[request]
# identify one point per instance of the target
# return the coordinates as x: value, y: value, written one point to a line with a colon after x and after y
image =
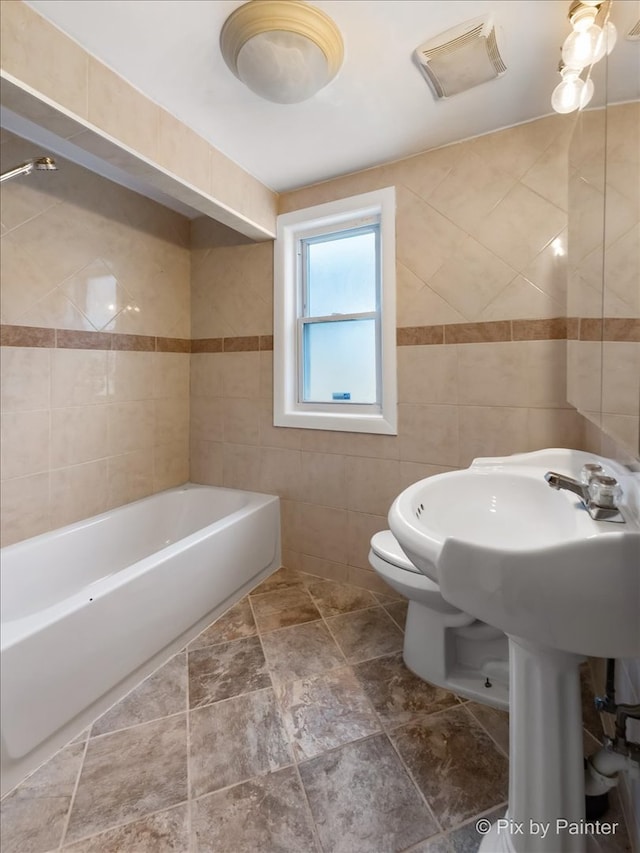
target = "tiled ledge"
x: 557, y: 328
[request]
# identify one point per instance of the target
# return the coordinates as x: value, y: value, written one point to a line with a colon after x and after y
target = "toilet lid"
x: 386, y: 546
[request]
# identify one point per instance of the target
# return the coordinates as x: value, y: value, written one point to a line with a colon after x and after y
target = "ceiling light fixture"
x: 593, y: 35
x: 283, y: 50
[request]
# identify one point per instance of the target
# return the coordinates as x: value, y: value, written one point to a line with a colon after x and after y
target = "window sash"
x: 302, y: 363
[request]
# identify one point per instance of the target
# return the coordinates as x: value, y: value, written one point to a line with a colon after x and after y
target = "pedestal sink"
x: 530, y: 560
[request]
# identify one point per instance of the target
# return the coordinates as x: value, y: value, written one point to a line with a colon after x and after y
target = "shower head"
x: 45, y: 164
x: 41, y: 164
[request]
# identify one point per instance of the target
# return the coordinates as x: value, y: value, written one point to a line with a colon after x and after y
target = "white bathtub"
x: 90, y: 609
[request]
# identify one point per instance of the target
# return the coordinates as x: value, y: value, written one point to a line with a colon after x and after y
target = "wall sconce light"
x: 592, y: 36
x: 283, y: 50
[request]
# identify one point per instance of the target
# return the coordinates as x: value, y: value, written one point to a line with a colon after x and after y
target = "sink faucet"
x: 599, y: 494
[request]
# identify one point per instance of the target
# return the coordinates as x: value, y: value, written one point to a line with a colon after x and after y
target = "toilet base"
x: 464, y: 656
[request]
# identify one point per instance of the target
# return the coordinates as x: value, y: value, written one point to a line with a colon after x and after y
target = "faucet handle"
x: 589, y: 471
x: 604, y: 491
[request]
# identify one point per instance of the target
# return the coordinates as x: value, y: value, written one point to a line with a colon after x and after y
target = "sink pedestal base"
x: 546, y: 774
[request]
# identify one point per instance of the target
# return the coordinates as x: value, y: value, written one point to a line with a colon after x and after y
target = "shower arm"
x: 25, y: 169
x: 46, y: 164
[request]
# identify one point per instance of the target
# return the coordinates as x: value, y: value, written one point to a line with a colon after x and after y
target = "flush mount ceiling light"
x: 283, y: 50
x: 593, y: 35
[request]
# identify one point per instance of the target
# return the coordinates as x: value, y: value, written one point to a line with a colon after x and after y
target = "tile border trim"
x: 619, y: 329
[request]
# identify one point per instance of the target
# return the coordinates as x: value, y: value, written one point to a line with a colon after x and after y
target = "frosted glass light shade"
x: 568, y: 95
x: 283, y: 67
x: 581, y: 48
x: 284, y: 50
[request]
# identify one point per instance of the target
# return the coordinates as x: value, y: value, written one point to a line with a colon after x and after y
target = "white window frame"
x: 289, y: 409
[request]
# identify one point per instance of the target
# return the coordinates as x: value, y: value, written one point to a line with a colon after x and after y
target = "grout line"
x: 73, y: 795
x: 127, y: 823
x: 415, y: 785
x: 486, y: 730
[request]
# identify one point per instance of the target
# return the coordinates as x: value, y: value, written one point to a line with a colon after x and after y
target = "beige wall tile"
x: 521, y: 300
x: 171, y: 465
x: 323, y: 479
x: 131, y: 426
x: 324, y: 532
x: 427, y: 374
x: 271, y: 436
x: 241, y: 466
x: 428, y: 434
x: 554, y: 428
x: 131, y: 375
x: 621, y: 367
x: 491, y: 431
x: 171, y: 420
x: 351, y: 443
x: 418, y: 305
x: 79, y: 377
x: 206, y: 462
x: 25, y: 507
x: 207, y: 418
x: 291, y: 524
x: 281, y: 472
x: 241, y: 374
x: 171, y: 374
x: 122, y: 111
x: 130, y: 476
x: 79, y: 491
x: 372, y: 484
x: 360, y: 528
x: 492, y: 374
x: 39, y: 54
x: 78, y: 434
x: 241, y: 420
x: 411, y: 472
x: 25, y: 378
x: 182, y: 152
x: 25, y: 443
x: 520, y: 226
x: 545, y: 376
x: 206, y: 374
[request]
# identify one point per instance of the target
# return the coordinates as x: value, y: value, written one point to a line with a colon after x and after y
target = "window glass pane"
x: 342, y: 274
x: 340, y: 362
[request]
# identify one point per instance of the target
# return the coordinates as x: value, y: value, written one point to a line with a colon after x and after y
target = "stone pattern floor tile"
x: 162, y: 832
x: 269, y: 813
x: 229, y: 669
x: 372, y: 743
x: 495, y: 722
x: 457, y: 766
x: 283, y: 607
x: 236, y: 624
x: 332, y: 598
x: 467, y: 839
x: 161, y: 694
x: 398, y: 696
x: 300, y: 651
x: 325, y: 711
x: 128, y: 774
x: 362, y: 799
x: 33, y: 816
x: 398, y: 612
x: 366, y: 634
x: 283, y: 578
x: 235, y: 740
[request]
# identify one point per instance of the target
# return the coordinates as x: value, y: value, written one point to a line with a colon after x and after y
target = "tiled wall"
x: 604, y: 269
x: 480, y: 242
x: 97, y: 415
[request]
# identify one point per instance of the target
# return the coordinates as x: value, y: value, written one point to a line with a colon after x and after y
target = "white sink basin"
x: 510, y: 550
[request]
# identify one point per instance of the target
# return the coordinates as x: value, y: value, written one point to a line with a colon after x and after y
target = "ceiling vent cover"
x: 461, y: 58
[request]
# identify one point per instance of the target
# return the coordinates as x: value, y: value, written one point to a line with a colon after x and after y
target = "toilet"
x: 443, y: 645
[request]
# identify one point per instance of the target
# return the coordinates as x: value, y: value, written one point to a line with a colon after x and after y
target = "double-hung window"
x: 334, y: 341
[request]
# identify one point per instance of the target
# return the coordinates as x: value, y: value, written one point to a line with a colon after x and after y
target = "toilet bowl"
x: 442, y: 644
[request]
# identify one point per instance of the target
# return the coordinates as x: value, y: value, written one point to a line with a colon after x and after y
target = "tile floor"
x: 290, y: 725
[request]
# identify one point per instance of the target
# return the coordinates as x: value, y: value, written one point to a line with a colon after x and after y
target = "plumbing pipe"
x: 602, y: 771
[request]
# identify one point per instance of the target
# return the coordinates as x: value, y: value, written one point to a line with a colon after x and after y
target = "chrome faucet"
x: 598, y: 492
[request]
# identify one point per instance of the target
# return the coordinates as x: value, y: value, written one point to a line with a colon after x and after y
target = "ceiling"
x: 377, y: 109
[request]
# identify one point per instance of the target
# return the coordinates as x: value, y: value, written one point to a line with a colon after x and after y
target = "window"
x: 334, y: 341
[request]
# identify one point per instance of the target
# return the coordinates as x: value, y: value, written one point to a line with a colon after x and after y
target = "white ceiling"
x: 377, y: 109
